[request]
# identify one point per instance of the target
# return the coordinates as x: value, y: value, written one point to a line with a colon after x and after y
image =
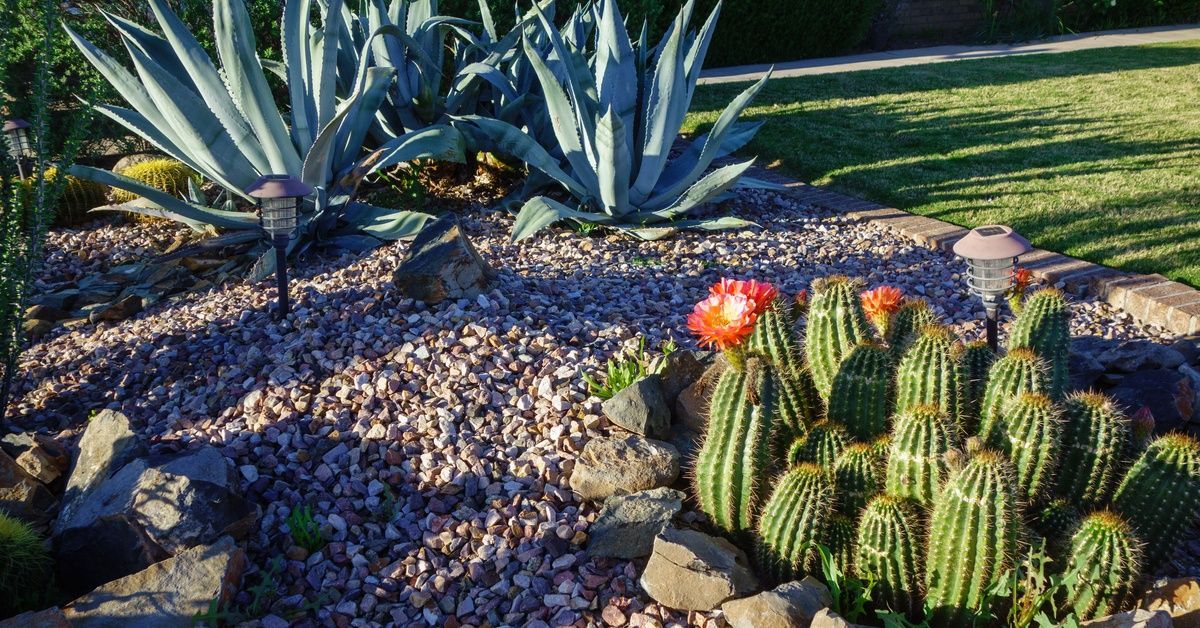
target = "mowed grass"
x: 1095, y: 154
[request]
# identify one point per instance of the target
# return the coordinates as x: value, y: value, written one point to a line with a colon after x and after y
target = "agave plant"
x: 224, y: 124
x: 616, y: 110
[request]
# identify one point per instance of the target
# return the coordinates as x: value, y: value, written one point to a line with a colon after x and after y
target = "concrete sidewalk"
x: 942, y: 54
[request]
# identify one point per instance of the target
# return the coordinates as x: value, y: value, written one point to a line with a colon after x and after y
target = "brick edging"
x: 1151, y: 299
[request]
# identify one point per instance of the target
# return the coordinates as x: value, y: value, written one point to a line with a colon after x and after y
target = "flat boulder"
x: 1180, y: 598
x: 168, y: 593
x: 109, y: 442
x: 641, y: 408
x: 627, y: 524
x: 22, y: 495
x: 620, y: 466
x: 690, y: 570
x: 40, y: 456
x: 442, y: 264
x: 789, y: 605
x: 1138, y: 618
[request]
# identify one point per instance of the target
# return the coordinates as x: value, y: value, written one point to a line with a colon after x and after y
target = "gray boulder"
x: 22, y: 496
x: 826, y: 618
x: 620, y: 466
x: 168, y: 593
x: 690, y: 570
x: 786, y: 606
x: 640, y: 408
x: 627, y: 524
x: 678, y: 370
x: 108, y: 444
x: 442, y: 264
x: 40, y: 456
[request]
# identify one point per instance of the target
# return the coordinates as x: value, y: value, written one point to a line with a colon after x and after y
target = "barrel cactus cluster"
x: 925, y: 465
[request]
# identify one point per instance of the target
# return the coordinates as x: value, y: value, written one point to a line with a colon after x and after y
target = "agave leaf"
x: 357, y: 122
x: 295, y: 38
x: 153, y: 211
x: 385, y: 223
x: 325, y: 64
x: 235, y: 45
x: 665, y: 93
x: 713, y: 145
x: 509, y: 140
x: 320, y: 162
x: 355, y: 242
x: 698, y: 49
x: 207, y: 215
x: 151, y: 44
x: 540, y: 212
x: 232, y: 238
x: 138, y: 123
x: 614, y: 165
x: 566, y: 127
x: 578, y: 84
x: 616, y: 72
x: 699, y: 193
x: 440, y: 142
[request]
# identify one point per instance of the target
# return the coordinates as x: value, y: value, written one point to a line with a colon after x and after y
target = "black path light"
x: 19, y: 146
x: 991, y: 252
x: 279, y: 197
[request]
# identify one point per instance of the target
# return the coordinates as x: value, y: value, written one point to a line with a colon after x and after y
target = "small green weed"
x: 304, y: 529
x: 263, y: 596
x: 623, y: 370
x: 850, y: 594
x: 1027, y: 596
x: 645, y: 262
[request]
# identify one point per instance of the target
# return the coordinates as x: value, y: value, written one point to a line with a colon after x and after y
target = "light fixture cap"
x: 991, y: 242
x: 278, y: 186
x: 13, y: 125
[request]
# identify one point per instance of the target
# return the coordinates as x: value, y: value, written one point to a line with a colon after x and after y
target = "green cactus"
x: 931, y: 372
x: 1033, y: 424
x: 798, y: 406
x: 792, y: 521
x: 822, y: 446
x: 1054, y: 521
x: 25, y: 568
x: 977, y: 360
x: 860, y: 394
x: 916, y: 461
x: 913, y: 316
x: 857, y: 476
x: 838, y: 537
x: 166, y: 175
x: 1160, y: 495
x: 888, y: 553
x: 1021, y: 371
x: 78, y: 197
x: 972, y: 540
x: 1107, y: 559
x: 736, y: 455
x: 836, y: 325
x: 1044, y: 326
x: 774, y: 339
x: 1095, y: 436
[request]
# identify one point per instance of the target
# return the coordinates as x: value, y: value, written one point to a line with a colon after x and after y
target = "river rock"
x: 108, y: 444
x: 1180, y: 598
x: 627, y: 524
x: 690, y: 570
x: 168, y: 593
x: 789, y: 605
x: 620, y: 466
x: 640, y: 408
x: 442, y: 264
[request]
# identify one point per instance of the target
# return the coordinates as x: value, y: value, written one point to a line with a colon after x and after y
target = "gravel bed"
x: 74, y: 253
x: 434, y: 444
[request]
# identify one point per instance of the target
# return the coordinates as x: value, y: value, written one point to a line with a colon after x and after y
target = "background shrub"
x: 24, y: 568
x: 1026, y: 19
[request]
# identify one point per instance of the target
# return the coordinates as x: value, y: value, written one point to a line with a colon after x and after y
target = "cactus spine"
x: 1108, y: 561
x: 913, y: 316
x: 166, y: 175
x: 857, y: 476
x: 972, y: 540
x: 773, y: 339
x: 836, y: 325
x: 930, y: 373
x: 859, y: 397
x: 822, y: 446
x: 1095, y: 436
x: 1044, y: 327
x: 77, y: 198
x: 838, y: 538
x: 798, y: 406
x: 1160, y: 495
x: 1032, y: 423
x: 736, y: 454
x: 1021, y: 371
x: 1054, y: 521
x: 792, y: 521
x: 977, y: 360
x: 916, y: 458
x: 887, y: 551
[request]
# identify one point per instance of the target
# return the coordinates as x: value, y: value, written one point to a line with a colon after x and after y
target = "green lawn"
x: 1095, y: 154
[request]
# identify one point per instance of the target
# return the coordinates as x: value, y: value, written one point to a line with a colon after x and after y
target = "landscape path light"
x: 279, y: 197
x: 19, y: 146
x: 991, y: 253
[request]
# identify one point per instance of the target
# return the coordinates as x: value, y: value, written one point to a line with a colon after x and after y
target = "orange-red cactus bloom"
x: 723, y: 320
x: 760, y: 293
x: 881, y: 302
x: 1023, y: 277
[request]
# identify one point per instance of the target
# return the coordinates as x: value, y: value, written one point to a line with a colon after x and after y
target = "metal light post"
x: 991, y: 252
x: 279, y: 197
x: 19, y: 146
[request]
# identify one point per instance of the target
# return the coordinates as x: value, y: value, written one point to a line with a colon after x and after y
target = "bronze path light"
x: 991, y: 252
x: 19, y: 146
x: 279, y: 197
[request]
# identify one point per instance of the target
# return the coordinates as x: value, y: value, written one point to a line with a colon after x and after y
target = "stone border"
x: 1151, y: 299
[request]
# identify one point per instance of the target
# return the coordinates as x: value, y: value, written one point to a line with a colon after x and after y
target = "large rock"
x: 22, y: 496
x: 1139, y: 618
x: 627, y: 524
x: 40, y: 456
x: 108, y: 444
x: 1128, y: 356
x: 789, y: 605
x: 49, y: 618
x: 690, y: 570
x: 678, y: 370
x: 1157, y: 390
x: 640, y: 408
x: 442, y: 264
x: 169, y: 593
x: 620, y: 466
x: 826, y: 618
x: 691, y: 407
x: 148, y: 510
x: 1180, y: 598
